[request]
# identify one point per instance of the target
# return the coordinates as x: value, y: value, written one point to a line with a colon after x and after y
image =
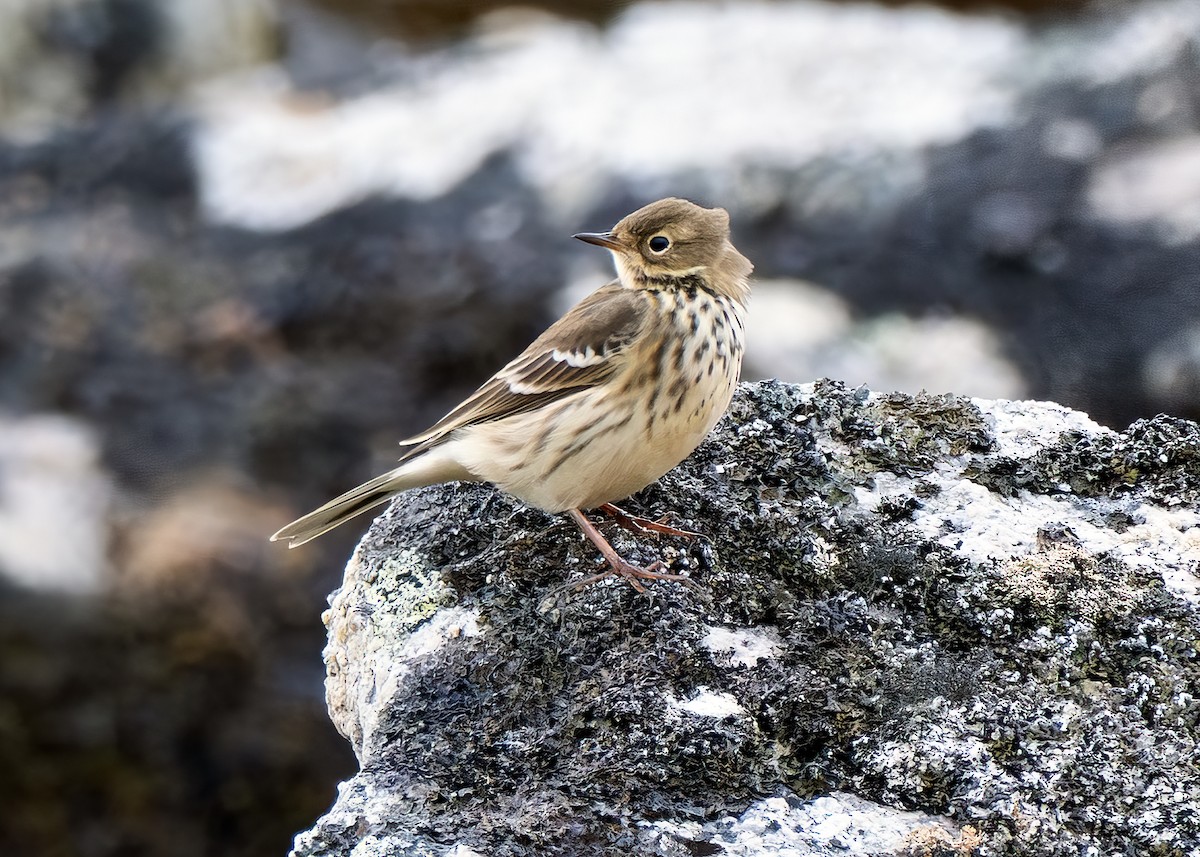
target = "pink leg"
x: 643, y: 526
x: 635, y: 574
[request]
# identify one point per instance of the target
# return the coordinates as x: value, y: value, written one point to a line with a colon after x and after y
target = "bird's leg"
x: 635, y: 574
x: 644, y: 526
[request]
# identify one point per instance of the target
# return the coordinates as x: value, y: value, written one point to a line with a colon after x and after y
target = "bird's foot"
x: 617, y: 566
x: 645, y: 526
x: 634, y: 575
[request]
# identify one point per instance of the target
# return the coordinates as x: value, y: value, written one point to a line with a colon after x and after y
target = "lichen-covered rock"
x: 923, y: 625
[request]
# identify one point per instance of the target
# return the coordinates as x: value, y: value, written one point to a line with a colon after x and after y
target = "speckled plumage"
x: 612, y: 396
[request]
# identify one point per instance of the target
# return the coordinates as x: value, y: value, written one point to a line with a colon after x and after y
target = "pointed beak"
x: 601, y: 239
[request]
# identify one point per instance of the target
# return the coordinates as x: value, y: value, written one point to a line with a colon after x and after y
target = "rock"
x: 657, y: 119
x: 61, y: 58
x: 127, y: 712
x: 55, y: 505
x: 190, y: 539
x: 921, y: 622
x: 189, y: 347
x: 249, y: 286
x: 1157, y: 185
x: 1171, y: 372
x: 437, y: 19
x: 798, y: 331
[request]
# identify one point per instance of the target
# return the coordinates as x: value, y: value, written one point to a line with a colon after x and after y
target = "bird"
x: 609, y: 398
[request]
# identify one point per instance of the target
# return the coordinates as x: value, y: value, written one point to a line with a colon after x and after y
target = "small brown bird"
x: 612, y: 396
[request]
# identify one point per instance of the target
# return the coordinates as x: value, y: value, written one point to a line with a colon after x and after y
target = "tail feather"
x: 341, y: 509
x: 433, y: 465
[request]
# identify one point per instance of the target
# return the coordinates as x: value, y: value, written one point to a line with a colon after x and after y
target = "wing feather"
x: 582, y: 349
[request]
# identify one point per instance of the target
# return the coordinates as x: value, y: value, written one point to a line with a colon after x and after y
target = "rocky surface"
x: 61, y: 59
x: 922, y: 625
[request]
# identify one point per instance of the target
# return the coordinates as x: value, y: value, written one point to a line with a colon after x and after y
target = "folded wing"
x: 582, y: 349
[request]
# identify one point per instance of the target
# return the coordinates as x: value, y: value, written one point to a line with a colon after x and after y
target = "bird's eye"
x: 660, y: 243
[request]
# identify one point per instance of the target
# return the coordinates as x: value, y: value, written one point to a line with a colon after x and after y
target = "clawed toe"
x: 633, y: 575
x: 617, y: 566
x: 645, y: 526
x: 636, y: 574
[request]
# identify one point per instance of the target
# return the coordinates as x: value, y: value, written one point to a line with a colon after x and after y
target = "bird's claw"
x: 633, y: 575
x: 645, y: 526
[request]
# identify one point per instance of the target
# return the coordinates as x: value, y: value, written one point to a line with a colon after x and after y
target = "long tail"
x: 428, y: 468
x: 341, y: 509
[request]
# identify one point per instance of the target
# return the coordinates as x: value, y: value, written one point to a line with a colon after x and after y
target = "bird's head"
x: 672, y: 239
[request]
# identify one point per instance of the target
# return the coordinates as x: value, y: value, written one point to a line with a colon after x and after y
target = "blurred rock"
x: 162, y: 724
x: 186, y: 345
x: 789, y: 320
x: 55, y: 500
x: 1157, y: 184
x: 954, y: 608
x: 797, y: 331
x: 799, y: 80
x: 209, y: 526
x: 61, y: 58
x: 918, y: 163
x: 1171, y: 372
x: 439, y: 19
x: 1008, y: 225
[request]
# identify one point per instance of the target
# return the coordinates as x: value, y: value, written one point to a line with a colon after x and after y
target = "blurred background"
x: 247, y: 245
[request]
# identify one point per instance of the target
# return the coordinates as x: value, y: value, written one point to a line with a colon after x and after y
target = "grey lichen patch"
x: 1157, y: 458
x: 417, y: 591
x: 361, y: 824
x: 837, y: 825
x: 874, y: 623
x: 372, y: 621
x: 900, y: 433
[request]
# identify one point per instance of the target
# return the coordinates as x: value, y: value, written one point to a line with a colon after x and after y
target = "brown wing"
x: 581, y: 349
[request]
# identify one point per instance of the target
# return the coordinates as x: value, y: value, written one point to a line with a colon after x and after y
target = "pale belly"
x: 606, y: 442
x: 608, y: 454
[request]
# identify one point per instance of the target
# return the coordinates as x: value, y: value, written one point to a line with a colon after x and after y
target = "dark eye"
x: 660, y: 243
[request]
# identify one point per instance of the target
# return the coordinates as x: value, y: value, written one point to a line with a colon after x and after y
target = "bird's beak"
x: 601, y: 239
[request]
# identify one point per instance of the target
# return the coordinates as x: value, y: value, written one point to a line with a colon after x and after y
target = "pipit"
x: 612, y: 396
